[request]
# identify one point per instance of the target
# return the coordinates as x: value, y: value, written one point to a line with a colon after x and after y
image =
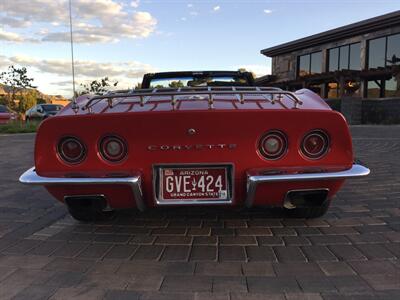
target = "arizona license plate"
x: 197, y: 183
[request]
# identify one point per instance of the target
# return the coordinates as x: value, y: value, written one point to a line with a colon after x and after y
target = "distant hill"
x: 55, y: 99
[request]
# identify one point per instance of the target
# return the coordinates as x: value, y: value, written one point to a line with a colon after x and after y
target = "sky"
x: 124, y: 39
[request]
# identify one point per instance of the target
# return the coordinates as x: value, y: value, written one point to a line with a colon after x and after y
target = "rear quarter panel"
x: 166, y: 128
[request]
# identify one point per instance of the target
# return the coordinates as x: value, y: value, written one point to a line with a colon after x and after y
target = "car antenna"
x: 75, y: 106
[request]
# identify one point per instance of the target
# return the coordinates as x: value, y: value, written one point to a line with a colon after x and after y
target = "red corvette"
x: 195, y: 138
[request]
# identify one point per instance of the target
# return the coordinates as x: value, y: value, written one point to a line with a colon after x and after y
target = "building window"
x: 392, y: 87
x: 376, y: 53
x: 345, y: 57
x: 316, y: 63
x: 309, y: 64
x: 316, y: 88
x: 332, y: 90
x: 333, y: 59
x: 384, y: 52
x: 374, y: 89
x: 355, y: 57
x: 384, y: 88
x: 304, y: 65
x: 393, y: 50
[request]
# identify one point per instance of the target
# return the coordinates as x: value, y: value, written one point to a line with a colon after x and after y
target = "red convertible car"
x: 195, y: 138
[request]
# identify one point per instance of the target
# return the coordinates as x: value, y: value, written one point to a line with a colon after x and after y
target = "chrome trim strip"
x: 31, y: 177
x: 254, y: 179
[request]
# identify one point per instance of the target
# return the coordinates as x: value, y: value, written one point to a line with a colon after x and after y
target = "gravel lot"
x: 198, y: 253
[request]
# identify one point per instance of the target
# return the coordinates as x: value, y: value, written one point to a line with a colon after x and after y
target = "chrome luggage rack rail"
x: 268, y: 93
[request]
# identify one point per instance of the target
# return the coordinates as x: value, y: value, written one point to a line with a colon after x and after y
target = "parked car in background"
x: 190, y: 139
x: 6, y: 115
x: 42, y: 111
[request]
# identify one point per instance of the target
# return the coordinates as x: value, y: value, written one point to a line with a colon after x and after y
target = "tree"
x: 40, y: 101
x: 26, y: 101
x: 15, y: 80
x: 245, y: 70
x: 3, y: 100
x: 98, y: 87
x: 176, y: 84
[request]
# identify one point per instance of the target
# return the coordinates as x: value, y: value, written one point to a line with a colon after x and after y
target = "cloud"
x: 4, y: 62
x: 36, y: 10
x: 141, y: 25
x: 10, y: 36
x: 62, y: 83
x: 94, y: 21
x: 15, y: 23
x: 135, y: 3
x: 55, y: 74
x: 267, y: 11
x: 216, y: 8
x: 84, y: 68
x: 258, y: 70
x: 190, y: 5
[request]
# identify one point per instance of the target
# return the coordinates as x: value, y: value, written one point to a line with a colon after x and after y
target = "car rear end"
x: 4, y: 118
x: 5, y: 115
x: 228, y: 152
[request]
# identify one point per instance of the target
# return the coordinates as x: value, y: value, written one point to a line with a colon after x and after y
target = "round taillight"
x: 315, y: 144
x: 71, y: 150
x: 273, y: 145
x: 113, y: 149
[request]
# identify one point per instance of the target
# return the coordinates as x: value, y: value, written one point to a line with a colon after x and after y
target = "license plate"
x: 194, y: 184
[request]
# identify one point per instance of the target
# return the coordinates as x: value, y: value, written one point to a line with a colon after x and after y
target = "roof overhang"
x: 372, y: 74
x: 369, y: 25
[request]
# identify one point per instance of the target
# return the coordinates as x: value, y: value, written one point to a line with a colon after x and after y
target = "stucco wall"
x: 381, y: 111
x: 368, y: 111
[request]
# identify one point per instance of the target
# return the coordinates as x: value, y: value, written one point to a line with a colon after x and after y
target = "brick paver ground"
x: 196, y: 253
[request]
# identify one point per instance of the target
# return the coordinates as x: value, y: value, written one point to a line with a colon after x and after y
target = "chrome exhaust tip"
x: 288, y: 204
x: 95, y: 202
x: 305, y: 198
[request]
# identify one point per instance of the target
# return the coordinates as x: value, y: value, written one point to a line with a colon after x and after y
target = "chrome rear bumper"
x: 31, y: 177
x: 254, y: 178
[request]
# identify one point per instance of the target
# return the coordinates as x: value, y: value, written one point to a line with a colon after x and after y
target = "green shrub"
x: 19, y: 127
x: 3, y: 100
x: 27, y: 101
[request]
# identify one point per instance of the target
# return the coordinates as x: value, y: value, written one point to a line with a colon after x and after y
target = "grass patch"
x: 19, y: 127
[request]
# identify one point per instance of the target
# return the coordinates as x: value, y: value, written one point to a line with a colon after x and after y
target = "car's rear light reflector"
x: 273, y: 145
x: 71, y: 150
x: 113, y: 149
x: 315, y: 144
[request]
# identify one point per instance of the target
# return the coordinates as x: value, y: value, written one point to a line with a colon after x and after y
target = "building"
x: 57, y: 99
x: 356, y: 61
